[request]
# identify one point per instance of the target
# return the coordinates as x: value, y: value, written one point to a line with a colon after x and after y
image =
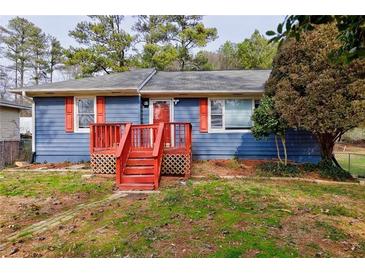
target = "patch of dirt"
x: 225, y: 167
x: 20, y: 212
x: 302, y: 231
x: 61, y: 165
x: 183, y: 242
x: 46, y: 243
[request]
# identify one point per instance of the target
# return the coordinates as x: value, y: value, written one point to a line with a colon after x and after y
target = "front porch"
x: 140, y: 154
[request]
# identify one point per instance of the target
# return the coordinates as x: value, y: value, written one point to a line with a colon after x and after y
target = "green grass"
x: 213, y: 218
x: 357, y: 163
x: 216, y: 219
x: 30, y: 184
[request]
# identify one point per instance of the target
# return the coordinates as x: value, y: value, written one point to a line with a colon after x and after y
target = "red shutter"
x: 203, y: 115
x: 69, y: 114
x: 100, y: 109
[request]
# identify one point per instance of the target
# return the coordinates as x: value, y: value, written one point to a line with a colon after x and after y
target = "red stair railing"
x: 122, y: 153
x: 158, y: 153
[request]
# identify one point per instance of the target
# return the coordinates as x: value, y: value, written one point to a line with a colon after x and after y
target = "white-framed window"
x: 230, y: 115
x: 85, y: 113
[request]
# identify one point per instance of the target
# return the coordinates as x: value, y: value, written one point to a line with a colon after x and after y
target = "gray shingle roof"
x: 227, y: 80
x: 132, y: 79
x: 14, y: 104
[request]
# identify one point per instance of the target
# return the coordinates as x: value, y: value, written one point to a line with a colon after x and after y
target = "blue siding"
x: 123, y: 109
x: 53, y: 144
x: 301, y: 146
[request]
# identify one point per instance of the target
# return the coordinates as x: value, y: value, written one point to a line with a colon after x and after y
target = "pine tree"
x: 55, y: 56
x: 17, y: 46
x: 38, y: 45
x: 188, y: 32
x: 105, y: 45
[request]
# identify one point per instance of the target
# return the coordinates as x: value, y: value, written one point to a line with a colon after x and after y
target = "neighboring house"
x: 9, y: 129
x: 218, y: 104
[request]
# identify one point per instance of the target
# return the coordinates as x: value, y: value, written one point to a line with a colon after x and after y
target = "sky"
x: 233, y: 28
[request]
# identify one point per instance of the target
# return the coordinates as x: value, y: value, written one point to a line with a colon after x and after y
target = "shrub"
x: 328, y: 170
x: 309, y: 167
x: 278, y: 169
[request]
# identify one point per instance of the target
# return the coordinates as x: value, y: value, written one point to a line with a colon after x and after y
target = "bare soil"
x: 225, y: 167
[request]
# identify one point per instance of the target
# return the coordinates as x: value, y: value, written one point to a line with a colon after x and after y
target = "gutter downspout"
x: 33, y: 132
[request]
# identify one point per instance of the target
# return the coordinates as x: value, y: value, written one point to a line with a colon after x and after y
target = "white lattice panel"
x: 176, y: 164
x: 103, y: 163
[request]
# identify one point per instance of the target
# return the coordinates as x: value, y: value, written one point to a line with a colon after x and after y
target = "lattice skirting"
x: 103, y: 163
x: 176, y: 164
x: 172, y: 164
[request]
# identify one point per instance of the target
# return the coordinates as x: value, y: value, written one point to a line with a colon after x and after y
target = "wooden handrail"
x: 123, y: 141
x: 157, y: 154
x: 158, y: 142
x: 122, y: 153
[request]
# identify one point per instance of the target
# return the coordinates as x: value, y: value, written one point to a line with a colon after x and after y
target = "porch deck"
x: 122, y: 148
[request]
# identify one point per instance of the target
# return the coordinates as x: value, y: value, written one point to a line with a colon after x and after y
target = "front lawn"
x: 215, y: 218
x: 29, y: 197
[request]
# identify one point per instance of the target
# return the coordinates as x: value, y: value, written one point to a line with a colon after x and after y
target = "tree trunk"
x: 16, y: 72
x: 51, y: 74
x: 278, y: 149
x: 21, y: 74
x: 283, y: 142
x: 327, y: 144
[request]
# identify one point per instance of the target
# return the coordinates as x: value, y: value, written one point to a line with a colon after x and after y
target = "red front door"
x: 161, y: 113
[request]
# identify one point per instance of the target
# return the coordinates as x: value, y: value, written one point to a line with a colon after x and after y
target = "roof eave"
x: 197, y: 93
x: 81, y: 92
x: 10, y: 105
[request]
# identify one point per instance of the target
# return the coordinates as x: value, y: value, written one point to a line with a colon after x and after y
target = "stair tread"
x: 137, y: 175
x: 139, y: 167
x: 136, y: 186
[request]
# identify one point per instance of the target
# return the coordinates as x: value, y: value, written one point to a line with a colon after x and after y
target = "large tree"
x: 351, y: 32
x: 105, y: 45
x: 256, y: 52
x: 187, y: 32
x: 315, y: 94
x: 17, y: 39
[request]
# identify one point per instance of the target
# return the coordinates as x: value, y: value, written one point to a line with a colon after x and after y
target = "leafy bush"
x: 309, y: 167
x: 278, y: 169
x: 328, y: 170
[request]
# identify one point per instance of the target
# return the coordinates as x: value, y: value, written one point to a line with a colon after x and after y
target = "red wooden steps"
x: 139, y: 171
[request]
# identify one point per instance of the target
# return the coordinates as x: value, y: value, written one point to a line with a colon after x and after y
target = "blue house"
x: 217, y: 104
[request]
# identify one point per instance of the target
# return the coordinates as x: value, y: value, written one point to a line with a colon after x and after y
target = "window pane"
x: 216, y: 114
x: 85, y: 120
x: 85, y: 105
x: 216, y: 106
x: 238, y: 114
x: 216, y: 121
